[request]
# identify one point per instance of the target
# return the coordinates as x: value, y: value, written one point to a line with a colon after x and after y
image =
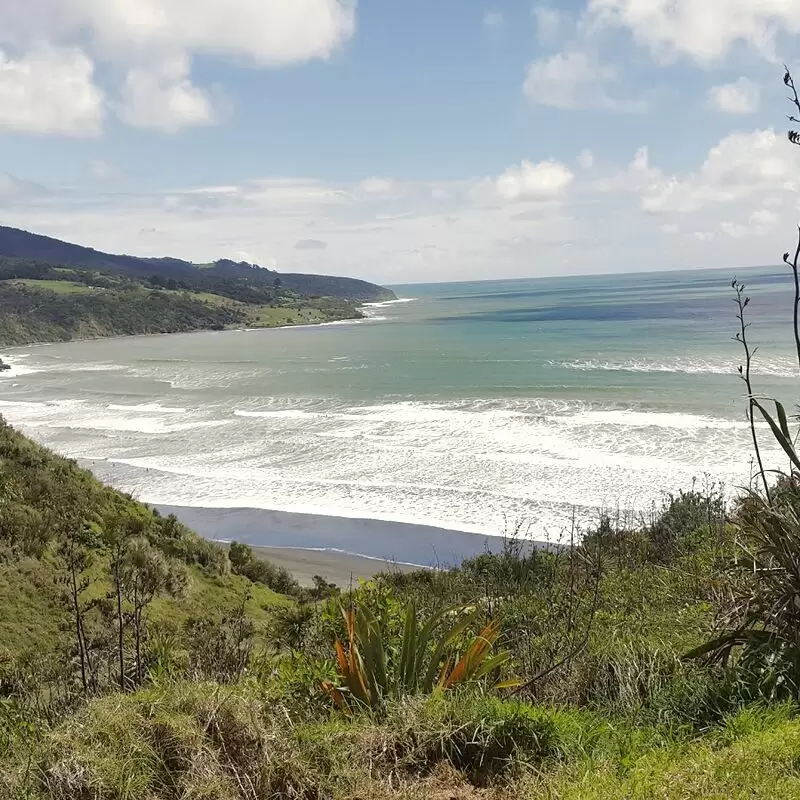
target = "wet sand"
x: 364, y: 539
x: 339, y: 568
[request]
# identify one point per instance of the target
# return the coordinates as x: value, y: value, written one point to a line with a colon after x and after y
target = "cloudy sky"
x: 404, y: 140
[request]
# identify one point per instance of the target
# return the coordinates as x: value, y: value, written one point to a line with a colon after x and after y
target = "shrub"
x: 483, y: 737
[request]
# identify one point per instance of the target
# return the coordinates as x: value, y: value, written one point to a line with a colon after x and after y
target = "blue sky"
x: 404, y: 141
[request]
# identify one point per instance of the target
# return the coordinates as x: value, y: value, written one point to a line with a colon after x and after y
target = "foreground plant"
x: 427, y: 658
x: 761, y: 629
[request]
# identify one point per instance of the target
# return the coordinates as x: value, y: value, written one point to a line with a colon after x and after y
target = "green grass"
x: 275, y: 316
x: 760, y: 762
x: 30, y: 615
x: 212, y: 741
x: 268, y: 316
x: 57, y: 287
x: 33, y: 616
x: 214, y: 299
x: 209, y: 594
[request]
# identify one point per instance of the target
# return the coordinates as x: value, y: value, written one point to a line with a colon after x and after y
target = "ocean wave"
x: 778, y: 368
x: 288, y: 413
x: 387, y: 303
x: 155, y: 408
x: 465, y: 464
x: 18, y: 368
x: 645, y: 419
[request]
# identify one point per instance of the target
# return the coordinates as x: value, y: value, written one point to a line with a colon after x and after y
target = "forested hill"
x: 44, y: 303
x: 19, y: 244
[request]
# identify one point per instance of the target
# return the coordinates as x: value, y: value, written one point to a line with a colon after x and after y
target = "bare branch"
x: 794, y: 99
x: 742, y: 301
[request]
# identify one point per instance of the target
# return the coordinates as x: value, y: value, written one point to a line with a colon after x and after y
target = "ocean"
x: 480, y: 407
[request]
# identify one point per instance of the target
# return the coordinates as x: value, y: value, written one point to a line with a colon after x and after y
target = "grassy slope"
x: 204, y: 740
x: 264, y: 316
x: 188, y: 739
x: 52, y: 310
x: 32, y: 615
x: 58, y: 287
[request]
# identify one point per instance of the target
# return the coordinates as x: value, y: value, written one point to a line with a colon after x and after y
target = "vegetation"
x: 22, y: 246
x: 43, y: 303
x: 652, y: 660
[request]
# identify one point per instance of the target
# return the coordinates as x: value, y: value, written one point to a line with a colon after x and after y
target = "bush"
x: 261, y: 571
x: 482, y: 737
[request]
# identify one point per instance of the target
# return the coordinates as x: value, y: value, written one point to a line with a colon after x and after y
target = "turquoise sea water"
x: 472, y: 406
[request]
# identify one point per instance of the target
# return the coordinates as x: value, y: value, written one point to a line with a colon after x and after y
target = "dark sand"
x: 338, y: 548
x: 339, y: 568
x: 391, y: 542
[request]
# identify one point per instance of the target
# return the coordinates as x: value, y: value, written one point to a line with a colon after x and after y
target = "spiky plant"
x: 372, y: 669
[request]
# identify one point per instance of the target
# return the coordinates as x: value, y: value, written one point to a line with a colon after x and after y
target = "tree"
x: 75, y: 546
x: 240, y: 555
x: 119, y: 531
x: 145, y: 574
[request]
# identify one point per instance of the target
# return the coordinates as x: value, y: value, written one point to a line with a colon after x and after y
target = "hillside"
x: 139, y: 661
x: 19, y: 244
x: 44, y: 303
x: 45, y: 501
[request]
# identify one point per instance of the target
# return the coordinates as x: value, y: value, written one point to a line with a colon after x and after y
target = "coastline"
x: 316, y: 542
x: 344, y: 320
x: 338, y: 568
x: 364, y: 317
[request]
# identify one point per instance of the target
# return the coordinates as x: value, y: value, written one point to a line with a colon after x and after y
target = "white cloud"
x: 268, y: 32
x: 741, y: 166
x: 638, y: 176
x: 760, y: 223
x: 740, y: 97
x: 103, y: 171
x: 764, y: 219
x: 164, y: 98
x: 50, y: 90
x: 310, y: 244
x: 13, y: 189
x: 494, y: 19
x: 586, y: 159
x: 376, y: 185
x: 536, y: 218
x: 569, y: 80
x: 546, y: 180
x: 548, y: 24
x: 705, y: 30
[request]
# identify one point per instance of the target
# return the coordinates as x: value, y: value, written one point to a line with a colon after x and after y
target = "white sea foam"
x: 155, y: 408
x: 18, y: 367
x: 775, y: 367
x: 387, y: 303
x: 285, y: 414
x: 640, y: 419
x: 470, y: 465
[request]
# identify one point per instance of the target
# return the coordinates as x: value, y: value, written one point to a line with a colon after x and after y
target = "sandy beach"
x: 338, y: 548
x: 339, y: 568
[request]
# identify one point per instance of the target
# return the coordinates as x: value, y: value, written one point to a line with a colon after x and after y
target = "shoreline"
x: 339, y: 321
x: 341, y: 569
x: 11, y: 347
x: 341, y: 548
x: 326, y: 541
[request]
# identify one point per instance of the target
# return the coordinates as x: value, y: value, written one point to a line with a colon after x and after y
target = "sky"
x: 405, y: 141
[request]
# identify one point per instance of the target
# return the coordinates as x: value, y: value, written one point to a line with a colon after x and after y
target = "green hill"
x: 140, y: 661
x: 25, y: 246
x: 44, y: 303
x: 45, y: 501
